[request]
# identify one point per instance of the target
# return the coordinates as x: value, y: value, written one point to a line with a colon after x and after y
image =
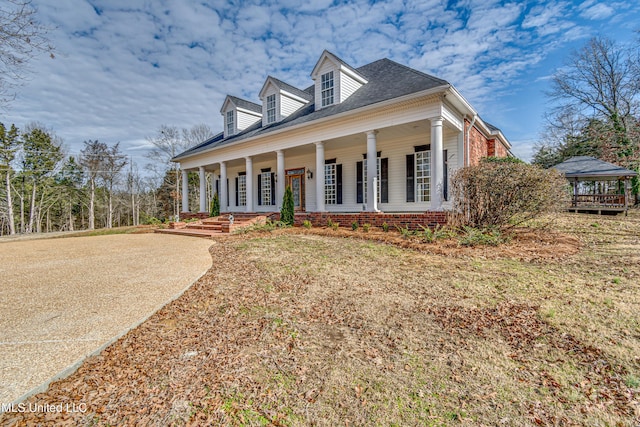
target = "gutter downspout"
x: 473, y: 122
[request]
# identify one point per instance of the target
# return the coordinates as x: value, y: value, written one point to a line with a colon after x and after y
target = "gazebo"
x: 598, y: 186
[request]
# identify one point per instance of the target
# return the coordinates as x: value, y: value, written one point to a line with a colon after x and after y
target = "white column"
x: 372, y: 171
x: 436, y: 163
x: 203, y: 190
x: 185, y: 191
x: 214, y: 177
x: 224, y: 204
x: 319, y: 177
x: 250, y: 177
x: 279, y: 178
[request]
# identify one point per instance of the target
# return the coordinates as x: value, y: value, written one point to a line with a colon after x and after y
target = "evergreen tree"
x: 287, y: 212
x: 215, y: 205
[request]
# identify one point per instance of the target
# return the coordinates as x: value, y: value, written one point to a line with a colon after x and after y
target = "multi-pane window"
x: 242, y: 190
x: 327, y: 89
x: 230, y: 124
x: 423, y: 176
x: 271, y: 108
x: 330, y: 184
x: 265, y: 188
x: 364, y: 180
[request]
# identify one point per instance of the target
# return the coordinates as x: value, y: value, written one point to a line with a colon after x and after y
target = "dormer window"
x: 335, y: 80
x: 327, y: 89
x: 230, y: 123
x: 271, y: 108
x: 280, y: 100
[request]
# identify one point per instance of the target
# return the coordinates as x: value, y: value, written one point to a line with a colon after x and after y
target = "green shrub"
x: 152, y: 221
x: 335, y: 225
x: 306, y: 224
x: 329, y: 222
x: 215, y: 205
x: 287, y: 214
x: 471, y: 236
x: 385, y: 227
x: 502, y: 193
x: 354, y: 225
x: 365, y: 227
x: 405, y: 232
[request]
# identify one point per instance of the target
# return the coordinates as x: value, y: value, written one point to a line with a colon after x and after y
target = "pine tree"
x: 215, y: 205
x: 287, y: 212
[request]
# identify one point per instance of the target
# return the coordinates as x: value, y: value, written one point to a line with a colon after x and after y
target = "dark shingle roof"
x: 590, y: 167
x: 247, y: 105
x: 386, y: 80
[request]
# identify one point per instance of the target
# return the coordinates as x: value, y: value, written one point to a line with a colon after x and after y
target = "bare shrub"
x: 505, y: 193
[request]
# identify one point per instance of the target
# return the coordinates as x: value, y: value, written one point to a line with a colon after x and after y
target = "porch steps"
x: 211, y: 227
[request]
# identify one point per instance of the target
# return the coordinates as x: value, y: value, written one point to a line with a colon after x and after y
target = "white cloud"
x: 129, y: 67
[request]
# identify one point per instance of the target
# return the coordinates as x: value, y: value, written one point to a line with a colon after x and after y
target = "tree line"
x: 43, y: 189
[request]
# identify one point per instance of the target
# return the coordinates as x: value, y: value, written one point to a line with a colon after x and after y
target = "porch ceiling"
x: 402, y: 131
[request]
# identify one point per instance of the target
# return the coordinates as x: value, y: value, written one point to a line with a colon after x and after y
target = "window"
x: 242, y: 190
x: 230, y: 125
x: 330, y: 184
x: 271, y: 108
x: 327, y: 89
x: 382, y: 181
x: 265, y: 188
x: 423, y: 176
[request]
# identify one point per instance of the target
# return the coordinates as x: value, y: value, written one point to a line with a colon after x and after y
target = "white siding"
x: 288, y: 106
x: 244, y: 120
x: 348, y: 85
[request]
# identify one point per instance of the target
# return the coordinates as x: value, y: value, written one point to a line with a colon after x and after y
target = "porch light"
x: 309, y: 174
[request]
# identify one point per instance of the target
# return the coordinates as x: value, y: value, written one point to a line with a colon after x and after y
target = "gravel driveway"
x: 62, y: 299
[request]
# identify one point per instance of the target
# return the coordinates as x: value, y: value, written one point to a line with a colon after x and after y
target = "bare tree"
x: 21, y: 38
x: 167, y: 144
x: 600, y: 81
x: 91, y: 161
x: 9, y: 141
x: 113, y: 163
x: 597, y: 96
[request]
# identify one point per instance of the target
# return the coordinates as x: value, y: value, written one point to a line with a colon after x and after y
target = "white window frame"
x: 242, y: 190
x: 330, y: 184
x: 326, y: 89
x: 423, y: 176
x: 365, y: 180
x: 265, y: 188
x: 230, y: 123
x: 271, y: 108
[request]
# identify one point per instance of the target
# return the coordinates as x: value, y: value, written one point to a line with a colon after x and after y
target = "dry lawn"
x: 303, y: 328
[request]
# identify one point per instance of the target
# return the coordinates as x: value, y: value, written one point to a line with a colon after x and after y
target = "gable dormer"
x: 280, y: 99
x: 239, y: 114
x: 335, y: 80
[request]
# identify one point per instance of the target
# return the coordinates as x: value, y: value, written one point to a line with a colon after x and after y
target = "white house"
x: 319, y: 141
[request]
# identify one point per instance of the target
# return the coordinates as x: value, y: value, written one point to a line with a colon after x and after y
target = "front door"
x: 295, y: 180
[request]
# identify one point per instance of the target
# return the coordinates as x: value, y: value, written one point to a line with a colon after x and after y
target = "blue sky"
x: 125, y: 67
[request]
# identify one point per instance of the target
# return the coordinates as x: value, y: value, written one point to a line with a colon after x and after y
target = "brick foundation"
x: 393, y: 220
x: 192, y: 215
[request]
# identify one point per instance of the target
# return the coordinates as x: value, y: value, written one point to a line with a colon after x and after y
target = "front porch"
x: 414, y: 162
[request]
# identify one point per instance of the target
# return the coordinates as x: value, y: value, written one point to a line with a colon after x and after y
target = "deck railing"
x: 600, y: 200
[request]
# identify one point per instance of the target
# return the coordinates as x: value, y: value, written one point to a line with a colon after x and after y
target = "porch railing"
x: 600, y: 200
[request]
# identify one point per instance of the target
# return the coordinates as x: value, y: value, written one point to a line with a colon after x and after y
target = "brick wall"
x: 192, y: 215
x: 480, y: 146
x: 402, y: 220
